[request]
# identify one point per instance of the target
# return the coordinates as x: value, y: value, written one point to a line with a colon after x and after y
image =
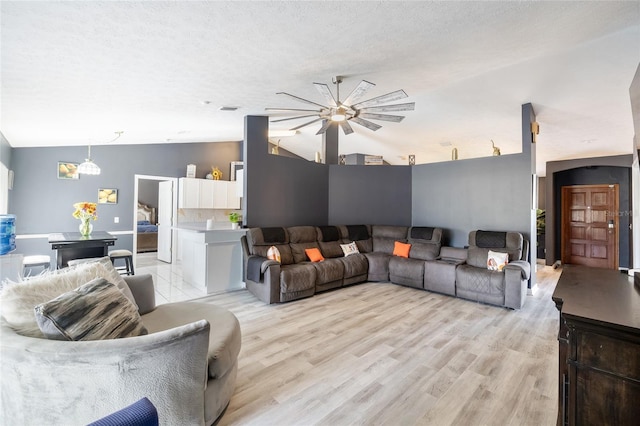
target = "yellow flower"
x: 85, y: 210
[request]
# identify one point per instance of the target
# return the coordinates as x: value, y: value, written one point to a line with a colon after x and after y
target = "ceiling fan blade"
x: 389, y: 97
x: 358, y: 92
x: 366, y: 123
x: 386, y: 108
x: 383, y: 117
x: 346, y: 127
x: 324, y: 91
x: 293, y: 118
x: 292, y: 110
x: 301, y: 99
x: 306, y: 124
x: 325, y: 126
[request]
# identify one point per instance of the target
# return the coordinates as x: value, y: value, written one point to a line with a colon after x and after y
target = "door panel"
x: 590, y: 225
x: 165, y: 220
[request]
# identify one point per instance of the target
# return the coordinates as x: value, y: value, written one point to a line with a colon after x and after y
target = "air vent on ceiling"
x: 228, y: 108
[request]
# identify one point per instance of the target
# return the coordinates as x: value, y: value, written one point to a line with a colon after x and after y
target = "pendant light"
x: 88, y: 167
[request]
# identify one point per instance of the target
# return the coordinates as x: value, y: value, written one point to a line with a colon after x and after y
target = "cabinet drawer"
x: 614, y: 355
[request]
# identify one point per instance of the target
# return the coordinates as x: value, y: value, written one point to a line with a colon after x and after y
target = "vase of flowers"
x: 86, y: 212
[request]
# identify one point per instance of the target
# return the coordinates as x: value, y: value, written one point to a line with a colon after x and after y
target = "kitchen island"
x: 211, y: 258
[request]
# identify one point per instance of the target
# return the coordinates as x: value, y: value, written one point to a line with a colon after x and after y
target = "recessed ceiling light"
x: 228, y: 108
x: 445, y: 143
x: 206, y: 102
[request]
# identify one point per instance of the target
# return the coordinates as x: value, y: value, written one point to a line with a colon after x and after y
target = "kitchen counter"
x: 211, y: 258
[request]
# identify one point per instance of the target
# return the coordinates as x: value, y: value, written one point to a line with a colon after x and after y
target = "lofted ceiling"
x: 74, y: 73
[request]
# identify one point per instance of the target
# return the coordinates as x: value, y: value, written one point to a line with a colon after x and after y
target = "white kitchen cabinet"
x: 207, y: 194
x: 189, y: 193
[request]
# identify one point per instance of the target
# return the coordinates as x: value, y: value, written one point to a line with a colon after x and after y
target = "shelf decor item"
x: 86, y: 212
x: 234, y: 218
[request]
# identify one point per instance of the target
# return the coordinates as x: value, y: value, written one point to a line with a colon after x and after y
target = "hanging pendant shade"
x: 89, y: 167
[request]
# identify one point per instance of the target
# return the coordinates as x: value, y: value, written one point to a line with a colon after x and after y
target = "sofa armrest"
x: 143, y: 291
x: 520, y: 265
x: 75, y: 383
x: 453, y: 254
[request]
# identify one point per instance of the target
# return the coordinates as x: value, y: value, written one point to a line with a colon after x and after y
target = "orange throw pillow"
x: 401, y: 249
x: 314, y: 255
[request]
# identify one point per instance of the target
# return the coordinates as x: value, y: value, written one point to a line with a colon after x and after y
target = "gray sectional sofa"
x: 429, y: 266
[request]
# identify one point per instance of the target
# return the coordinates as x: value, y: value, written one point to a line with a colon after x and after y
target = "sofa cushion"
x: 424, y: 251
x: 421, y: 232
x: 378, y: 266
x: 348, y: 232
x: 17, y: 300
x: 224, y: 334
x: 354, y: 265
x: 267, y: 236
x: 314, y: 254
x: 401, y: 249
x: 331, y: 249
x: 471, y: 279
x: 298, y: 277
x: 328, y: 271
x: 94, y: 311
x: 385, y: 236
x: 286, y: 258
x: 405, y: 271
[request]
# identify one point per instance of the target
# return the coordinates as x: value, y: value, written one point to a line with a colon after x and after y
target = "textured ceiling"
x: 74, y: 73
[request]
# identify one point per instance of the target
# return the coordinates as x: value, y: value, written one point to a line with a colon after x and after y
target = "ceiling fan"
x: 348, y: 110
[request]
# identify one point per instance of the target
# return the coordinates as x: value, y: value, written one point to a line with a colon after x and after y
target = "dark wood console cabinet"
x: 599, y: 338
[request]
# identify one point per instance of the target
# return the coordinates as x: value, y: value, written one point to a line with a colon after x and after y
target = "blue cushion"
x: 141, y: 413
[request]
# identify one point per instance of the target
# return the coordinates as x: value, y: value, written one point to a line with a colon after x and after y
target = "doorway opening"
x: 160, y: 196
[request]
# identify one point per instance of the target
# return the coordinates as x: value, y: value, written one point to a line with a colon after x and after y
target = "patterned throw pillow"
x: 17, y: 300
x: 314, y: 254
x: 274, y: 254
x: 95, y: 311
x: 349, y: 249
x: 401, y: 249
x: 496, y: 261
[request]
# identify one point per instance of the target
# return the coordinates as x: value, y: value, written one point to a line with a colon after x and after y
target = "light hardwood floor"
x: 382, y: 354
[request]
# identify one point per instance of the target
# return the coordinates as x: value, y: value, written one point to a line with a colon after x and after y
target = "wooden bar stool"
x: 35, y: 261
x: 127, y: 269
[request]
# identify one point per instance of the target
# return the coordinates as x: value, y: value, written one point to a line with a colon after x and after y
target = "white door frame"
x: 174, y: 218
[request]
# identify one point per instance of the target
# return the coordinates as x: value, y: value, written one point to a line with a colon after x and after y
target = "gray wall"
x: 285, y: 191
x: 491, y: 193
x: 480, y: 193
x: 36, y: 182
x: 582, y: 175
x: 370, y: 195
x: 148, y: 192
x: 280, y: 191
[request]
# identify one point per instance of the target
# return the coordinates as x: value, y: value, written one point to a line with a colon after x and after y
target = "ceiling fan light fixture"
x: 339, y: 114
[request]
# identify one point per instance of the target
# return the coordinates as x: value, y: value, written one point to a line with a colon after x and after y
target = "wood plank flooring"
x: 382, y: 354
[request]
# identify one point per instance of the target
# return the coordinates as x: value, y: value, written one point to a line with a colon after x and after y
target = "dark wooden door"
x: 590, y: 225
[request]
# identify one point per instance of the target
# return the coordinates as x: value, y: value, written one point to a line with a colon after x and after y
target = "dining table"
x: 73, y: 245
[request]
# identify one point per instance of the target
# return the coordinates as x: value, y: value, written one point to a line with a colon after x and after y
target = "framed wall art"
x: 67, y: 170
x: 107, y: 196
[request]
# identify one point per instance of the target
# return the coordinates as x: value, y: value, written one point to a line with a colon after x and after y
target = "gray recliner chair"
x: 507, y: 287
